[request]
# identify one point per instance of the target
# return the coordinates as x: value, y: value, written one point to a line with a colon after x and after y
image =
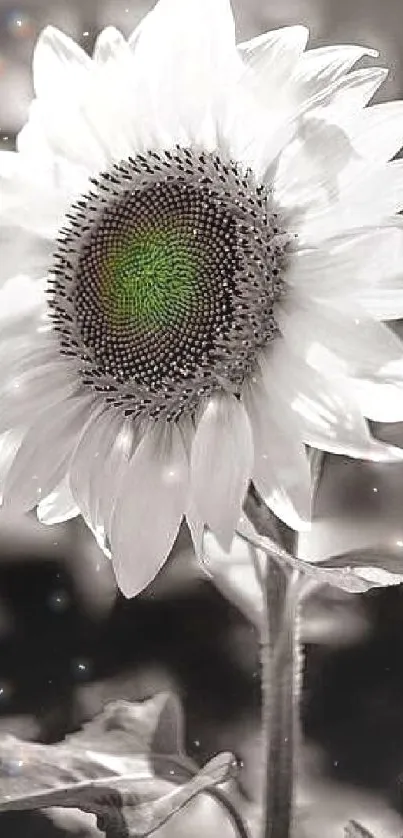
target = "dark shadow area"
x: 354, y: 698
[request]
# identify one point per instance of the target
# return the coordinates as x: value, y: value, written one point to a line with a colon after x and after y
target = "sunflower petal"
x: 149, y: 509
x: 59, y: 506
x: 198, y: 36
x: 221, y: 465
x: 59, y: 64
x: 42, y: 459
x: 281, y: 469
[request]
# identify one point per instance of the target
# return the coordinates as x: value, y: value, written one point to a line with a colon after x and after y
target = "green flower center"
x: 150, y: 278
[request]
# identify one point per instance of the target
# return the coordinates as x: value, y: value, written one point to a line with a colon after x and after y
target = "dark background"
x: 69, y: 642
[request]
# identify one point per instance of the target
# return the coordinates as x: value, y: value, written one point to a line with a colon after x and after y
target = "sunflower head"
x: 166, y: 277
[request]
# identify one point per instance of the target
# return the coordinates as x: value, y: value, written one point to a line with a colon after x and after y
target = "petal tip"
x: 109, y: 40
x: 51, y: 35
x: 303, y: 33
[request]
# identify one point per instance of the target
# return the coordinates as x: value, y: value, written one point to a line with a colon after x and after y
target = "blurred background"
x: 69, y: 642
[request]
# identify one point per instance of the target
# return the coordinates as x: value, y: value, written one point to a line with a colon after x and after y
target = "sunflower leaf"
x: 127, y: 767
x: 373, y: 566
x: 355, y: 571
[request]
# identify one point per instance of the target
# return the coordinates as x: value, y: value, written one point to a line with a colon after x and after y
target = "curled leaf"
x: 127, y: 767
x: 145, y: 818
x: 355, y: 830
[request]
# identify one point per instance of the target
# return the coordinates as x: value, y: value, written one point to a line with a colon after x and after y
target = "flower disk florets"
x: 165, y: 278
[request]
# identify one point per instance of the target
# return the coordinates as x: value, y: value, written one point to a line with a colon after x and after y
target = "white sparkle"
x: 399, y: 543
x: 374, y: 489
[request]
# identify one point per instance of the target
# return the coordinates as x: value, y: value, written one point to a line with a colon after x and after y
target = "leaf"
x: 355, y: 830
x: 127, y: 728
x: 355, y: 571
x: 127, y: 767
x: 146, y: 818
x: 373, y: 566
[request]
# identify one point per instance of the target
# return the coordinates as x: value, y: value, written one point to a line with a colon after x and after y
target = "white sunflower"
x: 198, y: 243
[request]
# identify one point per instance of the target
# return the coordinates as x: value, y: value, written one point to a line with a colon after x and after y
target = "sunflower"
x: 199, y: 241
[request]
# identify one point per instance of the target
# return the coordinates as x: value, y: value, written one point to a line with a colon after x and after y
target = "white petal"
x: 9, y: 445
x: 21, y: 296
x: 363, y: 269
x: 109, y: 45
x: 98, y: 466
x: 356, y: 208
x: 29, y: 392
x: 31, y: 142
x: 9, y: 164
x: 134, y: 36
x: 383, y: 303
x: 321, y: 67
x: 281, y: 469
x: 377, y: 132
x: 59, y: 506
x: 72, y: 130
x: 221, y: 465
x: 355, y: 90
x: 23, y: 253
x: 90, y: 115
x: 198, y: 36
x: 65, y: 177
x: 329, y: 417
x: 312, y: 167
x: 380, y: 398
x: 355, y: 345
x: 59, y: 64
x: 196, y: 528
x: 149, y: 509
x: 31, y: 198
x: 273, y: 58
x: 26, y: 349
x: 84, y: 461
x: 116, y: 446
x: 41, y: 461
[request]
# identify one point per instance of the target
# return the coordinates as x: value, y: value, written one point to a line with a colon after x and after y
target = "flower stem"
x: 281, y: 666
x: 281, y: 662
